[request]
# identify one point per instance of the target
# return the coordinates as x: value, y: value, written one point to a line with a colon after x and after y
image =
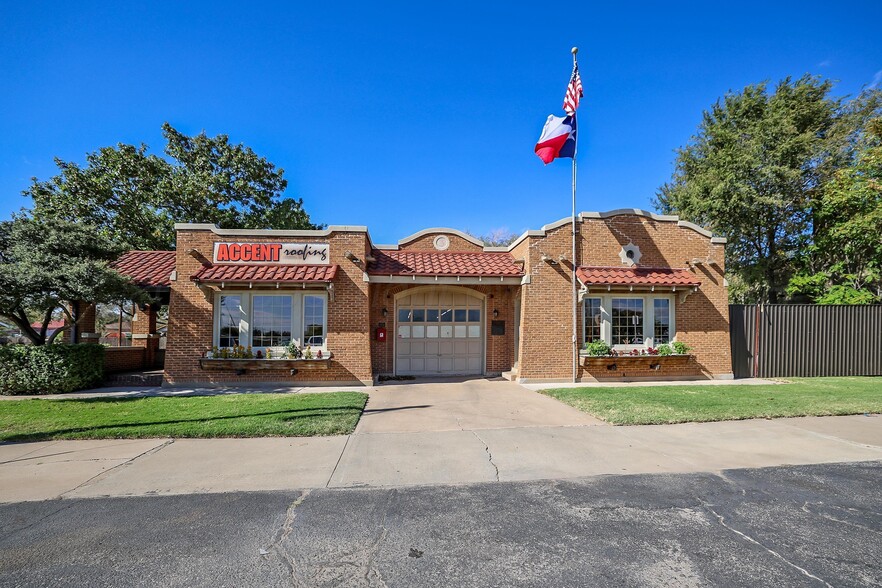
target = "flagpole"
x: 575, y: 345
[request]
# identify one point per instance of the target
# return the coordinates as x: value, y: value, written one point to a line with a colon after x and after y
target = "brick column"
x: 84, y: 330
x: 144, y: 332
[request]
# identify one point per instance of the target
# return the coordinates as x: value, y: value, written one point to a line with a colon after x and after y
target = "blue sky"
x: 411, y: 115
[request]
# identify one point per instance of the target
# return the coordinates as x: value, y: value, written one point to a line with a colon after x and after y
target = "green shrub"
x: 680, y: 348
x: 50, y: 369
x: 597, y: 348
x: 665, y: 349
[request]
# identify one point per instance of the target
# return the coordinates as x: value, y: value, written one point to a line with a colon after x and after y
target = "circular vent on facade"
x: 442, y: 242
x: 630, y: 254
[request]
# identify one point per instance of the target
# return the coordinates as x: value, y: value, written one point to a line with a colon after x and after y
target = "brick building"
x: 441, y: 303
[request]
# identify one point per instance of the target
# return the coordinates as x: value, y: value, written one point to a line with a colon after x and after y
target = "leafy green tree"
x: 756, y: 171
x: 500, y: 237
x: 47, y: 264
x: 135, y: 197
x: 844, y: 263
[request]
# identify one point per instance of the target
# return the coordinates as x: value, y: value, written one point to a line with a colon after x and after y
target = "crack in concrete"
x: 352, y: 567
x: 805, y: 508
x: 125, y: 463
x: 489, y: 454
x: 339, y: 459
x: 285, y: 558
x: 721, y: 520
x: 371, y: 571
x: 24, y: 456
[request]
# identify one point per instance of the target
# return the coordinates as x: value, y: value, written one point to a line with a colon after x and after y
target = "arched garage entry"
x: 439, y: 330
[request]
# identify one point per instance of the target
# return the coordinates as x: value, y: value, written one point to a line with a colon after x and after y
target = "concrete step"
x: 136, y: 379
x: 511, y: 376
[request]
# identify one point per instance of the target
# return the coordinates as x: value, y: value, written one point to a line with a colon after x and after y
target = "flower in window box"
x: 259, y: 354
x: 319, y: 354
x: 294, y: 352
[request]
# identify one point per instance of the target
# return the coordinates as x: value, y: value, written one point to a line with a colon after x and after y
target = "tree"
x: 135, y: 197
x: 47, y: 264
x: 844, y: 263
x: 500, y: 237
x: 751, y: 174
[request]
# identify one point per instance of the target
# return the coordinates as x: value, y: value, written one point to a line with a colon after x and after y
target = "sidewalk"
x: 471, y: 453
x: 208, y: 390
x: 655, y: 384
x: 215, y: 390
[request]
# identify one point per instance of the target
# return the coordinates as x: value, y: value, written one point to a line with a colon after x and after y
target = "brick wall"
x: 546, y: 320
x: 701, y: 320
x: 86, y: 324
x: 426, y: 243
x: 191, y: 315
x: 124, y: 359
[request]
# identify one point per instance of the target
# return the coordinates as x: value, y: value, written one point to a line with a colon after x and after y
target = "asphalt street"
x: 816, y: 525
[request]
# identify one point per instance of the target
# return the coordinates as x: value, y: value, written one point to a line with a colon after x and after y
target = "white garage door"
x: 439, y: 332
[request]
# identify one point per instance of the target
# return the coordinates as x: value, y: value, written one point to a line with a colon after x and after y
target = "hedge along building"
x: 441, y: 303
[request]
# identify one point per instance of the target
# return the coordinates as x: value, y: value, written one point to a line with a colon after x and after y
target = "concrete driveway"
x: 457, y: 405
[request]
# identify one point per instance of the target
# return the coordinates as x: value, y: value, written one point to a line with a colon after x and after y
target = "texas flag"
x: 558, y: 138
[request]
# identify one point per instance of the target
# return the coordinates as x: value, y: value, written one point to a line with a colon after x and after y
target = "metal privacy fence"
x: 793, y: 340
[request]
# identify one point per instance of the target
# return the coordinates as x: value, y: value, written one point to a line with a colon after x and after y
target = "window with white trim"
x: 314, y: 320
x: 230, y: 316
x: 270, y: 320
x: 661, y: 312
x: 593, y: 319
x: 628, y: 321
x: 267, y: 319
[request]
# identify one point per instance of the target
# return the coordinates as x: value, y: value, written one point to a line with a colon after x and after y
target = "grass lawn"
x: 240, y: 415
x: 652, y: 405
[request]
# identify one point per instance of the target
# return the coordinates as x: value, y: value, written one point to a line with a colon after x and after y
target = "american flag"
x: 574, y: 92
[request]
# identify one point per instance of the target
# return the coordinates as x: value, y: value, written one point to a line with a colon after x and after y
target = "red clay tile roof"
x: 149, y: 269
x: 443, y: 263
x: 242, y: 273
x: 52, y: 326
x: 636, y: 276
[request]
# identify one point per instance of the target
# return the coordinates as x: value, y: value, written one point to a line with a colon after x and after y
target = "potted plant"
x: 294, y: 352
x: 598, y: 348
x: 680, y: 348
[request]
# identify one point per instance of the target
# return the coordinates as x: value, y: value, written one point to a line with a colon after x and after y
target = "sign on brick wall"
x: 272, y: 253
